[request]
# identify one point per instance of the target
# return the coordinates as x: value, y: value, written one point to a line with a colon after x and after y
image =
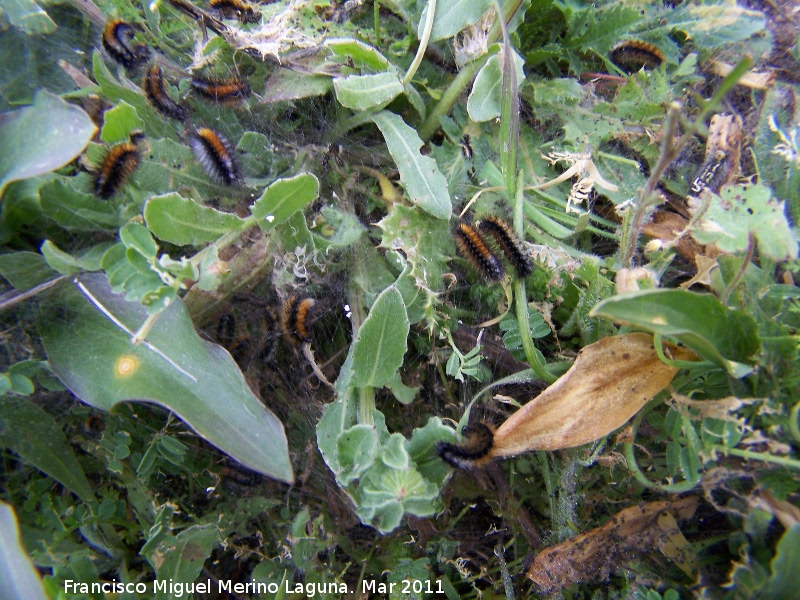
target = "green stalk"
x: 450, y: 95
x: 465, y: 75
x: 423, y: 43
x: 778, y: 460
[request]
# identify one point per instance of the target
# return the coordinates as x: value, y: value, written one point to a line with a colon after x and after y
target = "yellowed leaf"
x: 610, y: 381
x: 632, y: 532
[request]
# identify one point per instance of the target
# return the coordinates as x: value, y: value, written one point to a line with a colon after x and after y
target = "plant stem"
x: 778, y: 460
x: 630, y: 458
x: 670, y: 150
x: 751, y: 246
x: 423, y: 43
x: 450, y: 95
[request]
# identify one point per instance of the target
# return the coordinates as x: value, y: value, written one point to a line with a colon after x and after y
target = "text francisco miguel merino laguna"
x: 177, y: 589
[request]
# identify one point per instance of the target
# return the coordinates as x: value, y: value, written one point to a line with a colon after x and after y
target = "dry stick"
x: 669, y: 152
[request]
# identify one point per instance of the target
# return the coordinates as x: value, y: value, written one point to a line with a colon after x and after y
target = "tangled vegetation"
x: 280, y: 278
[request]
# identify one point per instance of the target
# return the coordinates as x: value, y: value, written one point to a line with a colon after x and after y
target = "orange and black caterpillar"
x: 231, y: 90
x: 235, y: 9
x: 215, y: 154
x: 633, y: 55
x: 118, y: 164
x: 473, y: 451
x: 509, y: 243
x: 295, y: 317
x: 116, y: 38
x: 473, y: 247
x: 157, y: 95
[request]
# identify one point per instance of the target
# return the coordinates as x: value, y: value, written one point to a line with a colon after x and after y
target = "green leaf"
x: 743, y: 210
x: 394, y: 454
x: 483, y: 103
x: 716, y: 332
x: 19, y: 579
x: 426, y: 243
x: 24, y: 270
x: 363, y: 55
x: 118, y: 122
x: 357, y: 449
x: 35, y: 436
x: 283, y: 198
x: 180, y: 558
x: 424, y: 183
x: 28, y: 16
x: 285, y: 85
x: 195, y: 379
x: 136, y: 237
x: 452, y: 16
x: 178, y: 220
x: 61, y: 132
x: 785, y: 579
x: 73, y: 209
x: 364, y: 92
x: 67, y: 264
x: 380, y: 344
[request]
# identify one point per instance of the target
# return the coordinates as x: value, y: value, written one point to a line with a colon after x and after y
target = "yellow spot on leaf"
x: 126, y: 365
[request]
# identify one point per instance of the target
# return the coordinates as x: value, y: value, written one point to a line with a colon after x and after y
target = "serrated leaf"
x: 610, y: 381
x: 283, y: 198
x: 380, y: 345
x: 365, y: 92
x: 426, y: 243
x: 19, y: 579
x: 195, y: 379
x: 178, y: 220
x: 61, y: 131
x: 35, y: 436
x: 717, y: 333
x: 483, y: 103
x: 424, y: 183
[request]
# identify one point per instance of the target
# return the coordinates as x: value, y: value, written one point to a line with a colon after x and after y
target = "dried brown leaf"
x: 610, y: 381
x: 630, y: 533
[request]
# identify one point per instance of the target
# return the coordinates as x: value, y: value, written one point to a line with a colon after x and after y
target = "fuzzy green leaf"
x: 424, y: 183
x: 452, y: 16
x: 283, y: 198
x: 19, y: 579
x: 180, y: 558
x: 364, y: 92
x: 24, y: 270
x: 785, y: 579
x: 362, y: 55
x: 719, y: 334
x: 35, y: 436
x: 484, y: 99
x: 178, y: 220
x: 61, y: 132
x: 195, y: 379
x: 743, y: 210
x: 381, y: 342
